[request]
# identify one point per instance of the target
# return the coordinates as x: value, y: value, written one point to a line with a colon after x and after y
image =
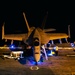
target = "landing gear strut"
x: 36, y: 63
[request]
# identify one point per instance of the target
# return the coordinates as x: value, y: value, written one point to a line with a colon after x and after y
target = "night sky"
x: 60, y: 15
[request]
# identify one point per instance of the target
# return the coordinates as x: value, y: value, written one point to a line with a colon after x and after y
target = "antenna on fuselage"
x: 26, y: 21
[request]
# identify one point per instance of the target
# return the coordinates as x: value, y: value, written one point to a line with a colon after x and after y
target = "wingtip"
x: 3, y: 30
x: 3, y: 24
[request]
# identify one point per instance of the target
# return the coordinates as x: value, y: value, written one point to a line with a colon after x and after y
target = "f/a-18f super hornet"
x: 35, y: 38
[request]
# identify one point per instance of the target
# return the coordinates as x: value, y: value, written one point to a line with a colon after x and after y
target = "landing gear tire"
x: 36, y: 63
x: 56, y: 53
x: 15, y: 59
x: 41, y: 59
x: 74, y: 50
x: 22, y: 60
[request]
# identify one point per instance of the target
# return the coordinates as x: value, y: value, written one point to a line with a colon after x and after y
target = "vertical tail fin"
x: 44, y: 21
x: 26, y: 21
x: 3, y: 31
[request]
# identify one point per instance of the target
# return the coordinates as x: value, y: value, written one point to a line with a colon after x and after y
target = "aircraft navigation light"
x: 12, y: 46
x: 72, y: 44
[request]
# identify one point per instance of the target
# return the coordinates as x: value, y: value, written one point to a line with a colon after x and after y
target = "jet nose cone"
x: 37, y: 57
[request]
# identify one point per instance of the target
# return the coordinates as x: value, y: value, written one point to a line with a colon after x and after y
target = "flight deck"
x: 55, y: 65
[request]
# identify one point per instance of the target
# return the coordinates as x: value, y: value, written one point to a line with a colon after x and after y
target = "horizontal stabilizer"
x: 49, y: 30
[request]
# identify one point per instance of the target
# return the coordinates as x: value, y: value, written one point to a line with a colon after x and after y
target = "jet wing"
x: 18, y: 37
x: 54, y: 36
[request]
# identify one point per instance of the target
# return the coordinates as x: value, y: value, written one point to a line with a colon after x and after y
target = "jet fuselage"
x: 36, y: 38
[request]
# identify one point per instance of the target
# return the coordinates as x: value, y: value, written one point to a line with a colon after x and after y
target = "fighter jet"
x: 36, y: 38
